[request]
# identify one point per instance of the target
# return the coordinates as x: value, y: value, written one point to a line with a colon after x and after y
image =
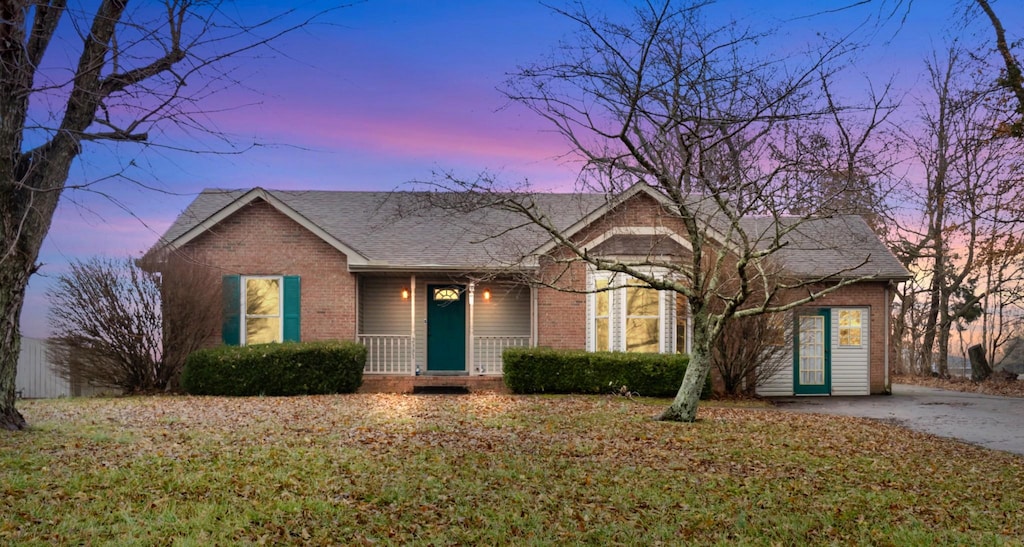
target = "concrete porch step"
x: 381, y: 383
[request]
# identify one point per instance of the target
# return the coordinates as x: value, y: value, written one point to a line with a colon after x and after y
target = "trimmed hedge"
x: 543, y: 370
x: 292, y: 368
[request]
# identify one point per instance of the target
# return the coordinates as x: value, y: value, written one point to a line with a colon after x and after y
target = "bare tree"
x: 703, y: 117
x: 105, y: 316
x: 1012, y: 79
x: 187, y: 287
x: 750, y: 351
x: 109, y: 330
x: 965, y: 243
x: 137, y: 69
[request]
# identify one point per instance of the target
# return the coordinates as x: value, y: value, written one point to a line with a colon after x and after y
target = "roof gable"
x: 180, y: 233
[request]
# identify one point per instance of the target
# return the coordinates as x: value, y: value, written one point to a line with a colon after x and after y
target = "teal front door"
x: 446, y: 328
x: 812, y: 354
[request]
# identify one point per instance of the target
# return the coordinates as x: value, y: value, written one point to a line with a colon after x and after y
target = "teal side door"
x: 446, y: 328
x: 812, y: 353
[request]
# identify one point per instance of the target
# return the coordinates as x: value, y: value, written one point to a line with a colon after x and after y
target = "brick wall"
x: 260, y: 240
x: 561, y: 315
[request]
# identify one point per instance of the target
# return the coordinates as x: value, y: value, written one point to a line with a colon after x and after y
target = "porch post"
x: 412, y: 324
x: 357, y: 308
x: 469, y: 350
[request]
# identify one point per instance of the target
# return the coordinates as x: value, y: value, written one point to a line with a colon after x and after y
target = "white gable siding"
x: 850, y: 365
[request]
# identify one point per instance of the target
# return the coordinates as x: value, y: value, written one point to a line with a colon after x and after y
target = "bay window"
x: 623, y: 314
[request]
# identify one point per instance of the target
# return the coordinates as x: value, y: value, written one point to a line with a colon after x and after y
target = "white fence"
x: 487, y: 351
x: 394, y: 353
x: 35, y: 377
x: 388, y: 353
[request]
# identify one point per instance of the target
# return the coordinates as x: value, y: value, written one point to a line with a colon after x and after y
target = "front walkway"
x: 985, y: 420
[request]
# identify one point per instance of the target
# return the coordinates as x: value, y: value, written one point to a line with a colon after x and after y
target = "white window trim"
x: 688, y: 336
x: 623, y: 315
x: 617, y: 313
x: 592, y: 277
x: 839, y: 327
x: 242, y: 336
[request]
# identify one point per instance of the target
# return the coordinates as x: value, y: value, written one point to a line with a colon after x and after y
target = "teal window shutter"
x: 231, y: 318
x: 292, y: 309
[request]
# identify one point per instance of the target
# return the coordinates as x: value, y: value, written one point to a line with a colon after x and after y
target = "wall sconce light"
x: 487, y: 294
x: 405, y: 293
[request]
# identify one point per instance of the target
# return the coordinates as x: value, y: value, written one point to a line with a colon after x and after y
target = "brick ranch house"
x: 436, y: 296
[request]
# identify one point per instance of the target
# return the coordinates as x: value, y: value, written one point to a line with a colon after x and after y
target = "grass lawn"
x: 491, y: 469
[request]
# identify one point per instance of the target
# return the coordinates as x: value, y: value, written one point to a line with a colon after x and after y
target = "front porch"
x: 434, y: 327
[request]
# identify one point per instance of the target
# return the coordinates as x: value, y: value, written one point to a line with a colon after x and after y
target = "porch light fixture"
x: 405, y: 293
x: 487, y: 294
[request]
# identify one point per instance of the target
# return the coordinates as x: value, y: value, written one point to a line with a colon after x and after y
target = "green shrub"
x: 275, y: 369
x: 543, y: 370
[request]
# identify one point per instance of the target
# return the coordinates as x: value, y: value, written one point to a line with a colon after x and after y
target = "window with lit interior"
x: 643, y: 318
x: 262, y: 305
x: 623, y: 314
x: 850, y: 327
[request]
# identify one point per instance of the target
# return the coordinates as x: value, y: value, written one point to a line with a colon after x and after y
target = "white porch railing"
x: 388, y: 353
x: 487, y: 351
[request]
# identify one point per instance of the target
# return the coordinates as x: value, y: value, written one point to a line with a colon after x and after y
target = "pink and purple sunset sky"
x: 384, y: 92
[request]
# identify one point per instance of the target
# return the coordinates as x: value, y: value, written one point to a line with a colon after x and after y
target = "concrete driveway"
x: 985, y: 420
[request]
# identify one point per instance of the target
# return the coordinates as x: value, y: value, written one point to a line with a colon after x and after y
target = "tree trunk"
x: 980, y: 369
x: 941, y: 350
x: 10, y: 418
x: 26, y: 211
x: 930, y: 329
x: 13, y: 279
x: 684, y: 406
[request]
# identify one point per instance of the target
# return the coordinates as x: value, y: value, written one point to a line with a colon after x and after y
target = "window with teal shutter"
x: 261, y: 309
x: 292, y: 309
x: 231, y: 315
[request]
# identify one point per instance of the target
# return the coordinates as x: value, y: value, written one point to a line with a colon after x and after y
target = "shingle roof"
x: 842, y: 244
x: 403, y: 230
